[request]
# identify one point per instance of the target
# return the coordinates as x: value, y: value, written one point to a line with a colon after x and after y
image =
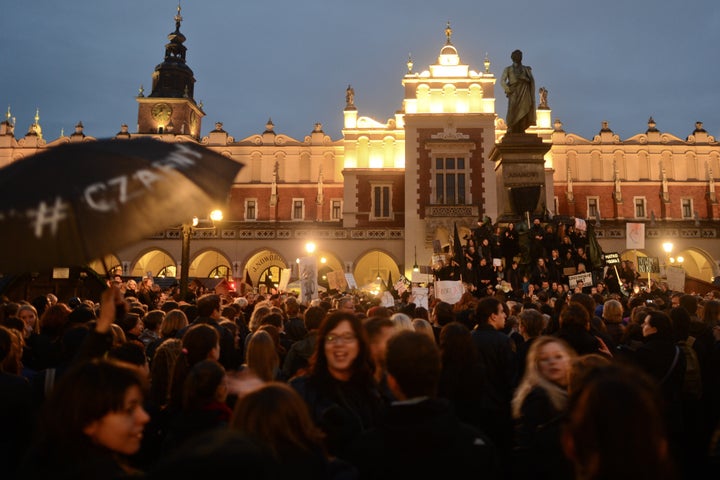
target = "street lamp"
x: 187, y: 231
x: 416, y: 268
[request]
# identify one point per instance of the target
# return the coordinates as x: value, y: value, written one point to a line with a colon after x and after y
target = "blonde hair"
x: 262, y: 357
x: 402, y: 322
x: 612, y: 311
x: 423, y: 326
x: 533, y: 378
x: 257, y: 316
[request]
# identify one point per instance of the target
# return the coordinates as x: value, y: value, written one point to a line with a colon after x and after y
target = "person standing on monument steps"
x: 519, y: 85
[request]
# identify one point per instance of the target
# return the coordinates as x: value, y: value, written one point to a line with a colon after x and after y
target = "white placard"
x: 449, y: 291
x: 675, y: 278
x: 284, y: 279
x: 420, y: 297
x: 352, y: 284
x: 635, y: 236
x: 586, y: 278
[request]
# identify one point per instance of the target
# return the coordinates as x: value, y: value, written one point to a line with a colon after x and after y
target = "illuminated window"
x: 686, y: 205
x: 336, y: 210
x: 298, y: 210
x: 450, y: 181
x: 381, y: 202
x: 592, y: 207
x: 251, y: 209
x: 640, y: 210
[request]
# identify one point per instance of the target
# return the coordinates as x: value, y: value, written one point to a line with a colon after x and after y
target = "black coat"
x: 423, y: 440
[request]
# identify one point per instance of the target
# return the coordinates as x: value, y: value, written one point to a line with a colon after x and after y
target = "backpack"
x: 692, y: 385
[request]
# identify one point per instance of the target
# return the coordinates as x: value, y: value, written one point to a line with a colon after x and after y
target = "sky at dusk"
x: 616, y: 60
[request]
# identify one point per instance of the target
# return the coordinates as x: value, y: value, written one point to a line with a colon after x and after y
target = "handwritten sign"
x: 449, y: 291
x: 648, y: 265
x: 612, y: 259
x: 586, y: 278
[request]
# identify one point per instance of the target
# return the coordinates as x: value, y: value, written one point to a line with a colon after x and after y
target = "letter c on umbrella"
x: 97, y: 204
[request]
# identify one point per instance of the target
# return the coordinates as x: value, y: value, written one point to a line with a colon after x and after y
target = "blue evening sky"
x: 616, y: 60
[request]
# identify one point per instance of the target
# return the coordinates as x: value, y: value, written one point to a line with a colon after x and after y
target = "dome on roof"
x: 448, y: 50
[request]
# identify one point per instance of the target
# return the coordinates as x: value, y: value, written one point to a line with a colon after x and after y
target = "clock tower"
x: 170, y: 107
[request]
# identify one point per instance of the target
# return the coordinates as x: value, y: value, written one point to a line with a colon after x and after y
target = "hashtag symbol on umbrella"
x: 48, y: 216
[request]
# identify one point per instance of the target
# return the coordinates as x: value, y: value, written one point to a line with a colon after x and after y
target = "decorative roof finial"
x: 487, y: 63
x: 409, y: 63
x: 178, y: 17
x: 8, y: 114
x: 448, y: 33
x: 37, y: 116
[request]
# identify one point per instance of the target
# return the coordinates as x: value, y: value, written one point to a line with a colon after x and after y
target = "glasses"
x: 340, y: 339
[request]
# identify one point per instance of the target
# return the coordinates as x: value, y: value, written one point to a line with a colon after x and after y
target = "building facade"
x: 376, y: 201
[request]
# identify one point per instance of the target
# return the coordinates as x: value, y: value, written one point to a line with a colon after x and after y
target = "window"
x: 336, y: 209
x: 381, y: 208
x: 640, y: 211
x: 298, y: 209
x: 592, y: 207
x: 450, y: 178
x: 251, y: 209
x: 686, y: 205
x: 556, y: 205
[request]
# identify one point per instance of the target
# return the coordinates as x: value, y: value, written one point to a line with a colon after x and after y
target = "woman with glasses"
x: 339, y: 387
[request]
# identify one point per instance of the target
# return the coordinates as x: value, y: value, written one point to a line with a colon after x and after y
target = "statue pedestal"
x: 520, y: 175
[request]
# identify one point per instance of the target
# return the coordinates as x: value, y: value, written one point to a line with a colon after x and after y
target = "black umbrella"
x: 78, y: 202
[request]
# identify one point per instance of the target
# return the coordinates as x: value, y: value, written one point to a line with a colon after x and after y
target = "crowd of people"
x: 548, y: 384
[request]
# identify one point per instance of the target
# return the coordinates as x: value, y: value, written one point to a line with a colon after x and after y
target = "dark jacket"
x: 342, y: 410
x: 423, y: 440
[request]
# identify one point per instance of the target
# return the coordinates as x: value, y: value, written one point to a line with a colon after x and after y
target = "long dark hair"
x: 362, y: 365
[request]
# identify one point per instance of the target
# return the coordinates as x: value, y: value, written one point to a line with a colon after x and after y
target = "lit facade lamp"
x: 188, y: 230
x: 416, y: 268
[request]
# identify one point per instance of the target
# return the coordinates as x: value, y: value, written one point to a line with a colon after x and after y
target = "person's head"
x: 277, y: 416
x: 689, y: 302
x: 131, y: 324
x: 587, y: 301
x: 490, y: 311
x: 423, y: 326
x: 172, y: 323
x: 346, y: 303
x: 443, y: 313
x: 680, y: 319
x: 612, y: 311
x: 657, y: 322
x: 261, y: 356
x: 402, y: 321
x: 54, y: 320
x: 200, y: 342
x: 615, y: 412
x: 257, y: 316
x: 11, y: 349
x: 205, y: 383
x: 99, y: 402
x: 131, y: 353
x: 28, y: 314
x: 342, y: 350
x: 575, y: 315
x: 161, y: 370
x: 413, y: 365
x: 549, y: 357
x: 312, y: 318
x: 547, y: 367
x: 711, y: 312
x: 379, y: 330
x: 531, y: 323
x: 208, y: 305
x: 581, y: 367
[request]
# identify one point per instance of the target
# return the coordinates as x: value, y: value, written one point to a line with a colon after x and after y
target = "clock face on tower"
x: 161, y: 112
